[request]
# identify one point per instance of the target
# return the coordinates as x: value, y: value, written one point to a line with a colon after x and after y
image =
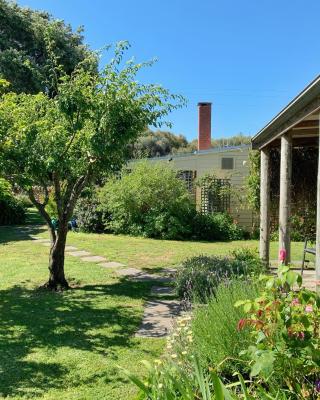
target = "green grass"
x: 68, y: 345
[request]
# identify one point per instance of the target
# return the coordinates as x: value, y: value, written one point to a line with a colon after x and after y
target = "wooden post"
x: 264, y: 206
x: 285, y: 198
x: 318, y: 224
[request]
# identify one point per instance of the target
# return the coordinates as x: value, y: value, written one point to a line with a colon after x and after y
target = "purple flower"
x: 317, y: 385
x: 309, y: 308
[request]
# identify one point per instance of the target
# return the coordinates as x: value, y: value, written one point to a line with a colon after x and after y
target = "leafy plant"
x: 285, y: 326
x: 149, y: 200
x: 12, y: 210
x: 199, y: 276
x: 88, y: 213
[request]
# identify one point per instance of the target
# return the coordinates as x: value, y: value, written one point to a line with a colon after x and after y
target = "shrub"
x: 216, y: 226
x: 12, y: 211
x: 199, y: 276
x: 88, y: 213
x: 24, y: 200
x: 216, y: 340
x: 150, y: 201
x: 284, y: 325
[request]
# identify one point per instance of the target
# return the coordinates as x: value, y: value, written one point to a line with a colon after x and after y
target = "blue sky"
x: 248, y: 57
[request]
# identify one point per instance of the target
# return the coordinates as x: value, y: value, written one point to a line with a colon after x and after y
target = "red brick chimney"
x: 204, y: 138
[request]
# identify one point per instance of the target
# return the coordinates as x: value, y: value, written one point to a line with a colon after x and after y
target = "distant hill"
x: 161, y: 143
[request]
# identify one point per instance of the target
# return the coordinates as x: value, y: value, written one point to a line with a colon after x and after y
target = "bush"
x: 214, y: 327
x: 217, y: 226
x: 150, y: 201
x: 284, y: 325
x: 24, y: 200
x: 199, y: 276
x: 12, y: 211
x: 88, y: 213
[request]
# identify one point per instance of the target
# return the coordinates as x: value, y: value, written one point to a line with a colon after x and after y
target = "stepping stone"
x: 169, y: 270
x: 79, y: 253
x: 46, y: 244
x: 142, y: 277
x: 162, y: 291
x: 129, y: 272
x: 158, y: 318
x: 112, y: 264
x: 93, y: 259
x: 70, y: 248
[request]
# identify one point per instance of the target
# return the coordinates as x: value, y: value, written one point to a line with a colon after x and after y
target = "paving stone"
x: 112, y: 264
x: 142, y: 277
x: 70, y: 248
x: 79, y: 253
x: 162, y: 291
x: 46, y: 244
x: 158, y: 318
x: 93, y: 259
x: 129, y: 271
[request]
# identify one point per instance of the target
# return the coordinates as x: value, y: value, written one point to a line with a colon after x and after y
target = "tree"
x: 28, y: 39
x: 60, y: 145
x: 157, y: 143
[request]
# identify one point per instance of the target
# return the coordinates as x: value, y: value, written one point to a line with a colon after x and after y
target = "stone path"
x: 159, y: 313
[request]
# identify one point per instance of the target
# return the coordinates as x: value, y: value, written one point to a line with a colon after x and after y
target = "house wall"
x: 210, y: 162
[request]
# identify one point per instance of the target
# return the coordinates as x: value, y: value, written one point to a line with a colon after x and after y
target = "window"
x: 227, y: 163
x: 188, y: 177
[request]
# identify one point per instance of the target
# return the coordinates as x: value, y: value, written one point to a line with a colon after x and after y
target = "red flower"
x: 241, y: 324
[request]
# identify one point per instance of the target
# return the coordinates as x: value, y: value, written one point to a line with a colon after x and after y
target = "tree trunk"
x: 57, y: 280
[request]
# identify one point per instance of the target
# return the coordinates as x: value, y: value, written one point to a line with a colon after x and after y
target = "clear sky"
x: 248, y: 57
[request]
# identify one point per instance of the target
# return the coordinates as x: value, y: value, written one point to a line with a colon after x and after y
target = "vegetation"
x: 29, y: 42
x: 12, y: 210
x: 150, y: 201
x: 199, y: 277
x: 67, y: 345
x: 66, y: 142
x: 275, y: 346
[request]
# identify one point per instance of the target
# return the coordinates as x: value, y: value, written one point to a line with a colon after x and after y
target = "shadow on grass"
x: 16, y: 233
x: 92, y: 318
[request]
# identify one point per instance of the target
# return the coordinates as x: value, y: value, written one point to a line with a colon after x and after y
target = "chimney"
x: 204, y: 138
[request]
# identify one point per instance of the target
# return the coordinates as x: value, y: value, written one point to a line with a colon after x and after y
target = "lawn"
x: 68, y: 345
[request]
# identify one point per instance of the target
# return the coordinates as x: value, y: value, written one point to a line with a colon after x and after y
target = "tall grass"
x: 217, y: 342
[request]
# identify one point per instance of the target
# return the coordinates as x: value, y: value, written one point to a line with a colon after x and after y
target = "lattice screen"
x: 211, y: 201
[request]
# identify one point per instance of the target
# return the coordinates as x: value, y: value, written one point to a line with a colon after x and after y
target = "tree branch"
x: 41, y: 208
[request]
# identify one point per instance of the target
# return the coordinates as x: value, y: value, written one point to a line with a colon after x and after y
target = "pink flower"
x: 295, y: 302
x: 282, y: 254
x: 309, y: 308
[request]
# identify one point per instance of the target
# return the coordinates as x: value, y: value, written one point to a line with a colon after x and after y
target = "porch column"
x: 264, y: 206
x: 318, y: 224
x: 285, y: 197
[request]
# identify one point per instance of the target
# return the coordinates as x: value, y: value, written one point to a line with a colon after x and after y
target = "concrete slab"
x: 95, y: 259
x: 158, y: 318
x: 162, y: 291
x: 112, y: 264
x: 42, y: 241
x: 79, y: 253
x: 46, y: 244
x: 129, y: 271
x: 70, y: 248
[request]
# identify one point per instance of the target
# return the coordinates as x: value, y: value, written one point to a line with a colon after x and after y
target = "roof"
x: 304, y: 104
x: 202, y: 152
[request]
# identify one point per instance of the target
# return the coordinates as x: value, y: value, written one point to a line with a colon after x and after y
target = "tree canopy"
x: 60, y: 144
x: 29, y: 42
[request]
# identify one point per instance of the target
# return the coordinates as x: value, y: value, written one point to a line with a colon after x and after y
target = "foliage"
x: 67, y: 141
x: 29, y: 41
x: 215, y: 226
x: 216, y: 340
x: 149, y: 200
x: 199, y: 276
x: 180, y: 375
x: 12, y: 210
x: 24, y: 200
x: 253, y: 180
x: 158, y: 143
x: 88, y: 213
x: 285, y: 326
